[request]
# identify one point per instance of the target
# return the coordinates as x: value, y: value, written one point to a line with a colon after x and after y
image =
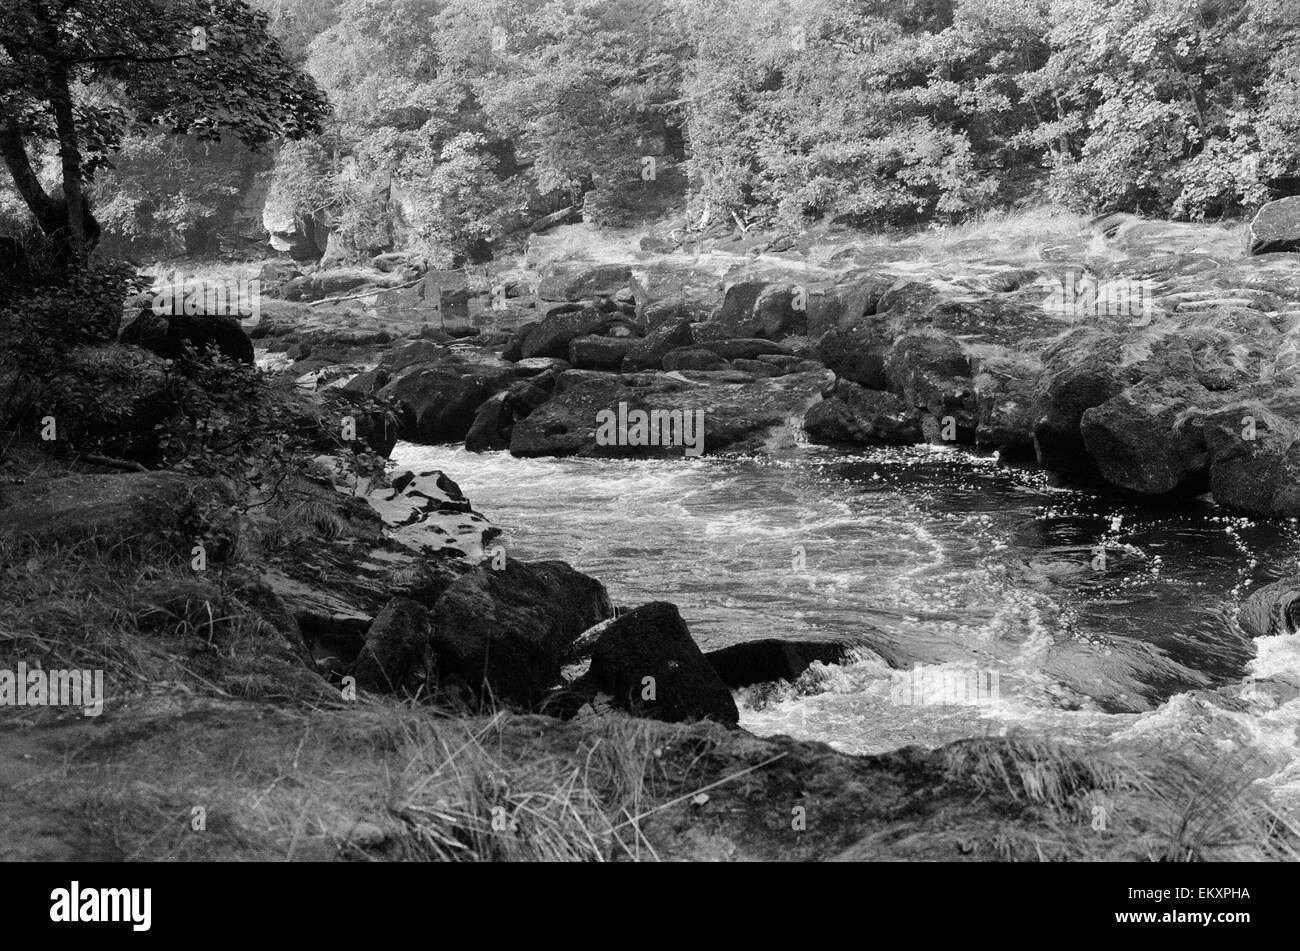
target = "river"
x: 979, y: 598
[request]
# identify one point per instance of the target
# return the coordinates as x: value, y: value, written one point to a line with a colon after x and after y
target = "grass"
x: 386, y: 781
x: 62, y: 605
x: 1127, y: 805
x: 380, y: 780
x: 134, y: 609
x: 463, y: 796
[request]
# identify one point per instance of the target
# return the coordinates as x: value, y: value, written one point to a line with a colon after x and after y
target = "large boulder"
x: 1146, y: 441
x: 648, y: 661
x: 919, y: 360
x: 438, y: 404
x: 395, y: 645
x: 1254, y: 460
x: 933, y: 374
x: 781, y: 311
x: 737, y: 310
x: 1079, y: 372
x: 852, y: 413
x: 552, y: 335
x: 375, y: 430
x: 167, y: 335
x: 507, y: 631
x: 695, y: 287
x: 843, y: 305
x: 858, y: 354
x: 600, y: 353
x: 768, y: 311
x: 490, y: 430
x: 1276, y: 227
x: 649, y: 352
x: 528, y: 394
x: 567, y: 424
x: 1004, y: 392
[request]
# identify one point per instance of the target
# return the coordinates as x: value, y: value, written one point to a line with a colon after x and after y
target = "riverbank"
x: 356, y: 620
x: 217, y: 743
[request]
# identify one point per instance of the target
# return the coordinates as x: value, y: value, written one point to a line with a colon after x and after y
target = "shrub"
x: 46, y: 316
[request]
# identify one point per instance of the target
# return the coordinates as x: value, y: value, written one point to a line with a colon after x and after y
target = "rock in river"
x: 506, y: 631
x: 648, y: 661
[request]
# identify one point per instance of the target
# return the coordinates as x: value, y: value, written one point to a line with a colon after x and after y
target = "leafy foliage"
x: 203, y: 66
x: 231, y: 422
x: 174, y: 195
x: 80, y: 77
x: 457, y: 122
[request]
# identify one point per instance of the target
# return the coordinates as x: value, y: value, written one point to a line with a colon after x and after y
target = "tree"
x: 77, y: 75
x: 1169, y: 107
x: 830, y: 110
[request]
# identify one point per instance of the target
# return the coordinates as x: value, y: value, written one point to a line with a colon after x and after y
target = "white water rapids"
x: 948, y: 572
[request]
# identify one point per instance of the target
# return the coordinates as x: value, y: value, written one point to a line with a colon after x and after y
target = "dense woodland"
x: 240, y: 507
x: 454, y: 123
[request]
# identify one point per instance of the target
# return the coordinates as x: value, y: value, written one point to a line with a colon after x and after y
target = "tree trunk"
x: 14, y: 152
x: 70, y: 159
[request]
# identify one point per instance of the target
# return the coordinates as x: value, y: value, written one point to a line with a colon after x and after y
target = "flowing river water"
x: 978, y: 598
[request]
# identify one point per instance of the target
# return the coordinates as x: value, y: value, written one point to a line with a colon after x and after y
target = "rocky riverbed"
x: 1142, y: 360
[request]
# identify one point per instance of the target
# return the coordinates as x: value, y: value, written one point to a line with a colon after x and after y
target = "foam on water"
x: 930, y: 557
